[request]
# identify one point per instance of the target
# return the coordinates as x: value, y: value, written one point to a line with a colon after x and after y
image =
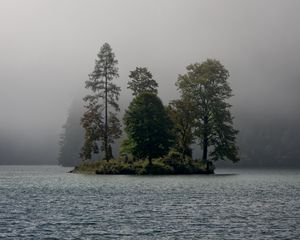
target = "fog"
x: 48, y: 49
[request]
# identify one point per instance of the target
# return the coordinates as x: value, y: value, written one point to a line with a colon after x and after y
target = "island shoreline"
x: 142, y: 167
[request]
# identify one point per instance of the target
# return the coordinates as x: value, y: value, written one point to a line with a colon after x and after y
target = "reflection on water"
x: 46, y: 202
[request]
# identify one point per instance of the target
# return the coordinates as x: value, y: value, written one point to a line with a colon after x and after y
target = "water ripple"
x: 48, y: 203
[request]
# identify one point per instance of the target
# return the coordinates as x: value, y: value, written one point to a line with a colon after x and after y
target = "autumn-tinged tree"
x: 182, y: 113
x: 141, y: 80
x: 207, y: 87
x: 92, y: 122
x: 148, y: 127
x: 100, y: 120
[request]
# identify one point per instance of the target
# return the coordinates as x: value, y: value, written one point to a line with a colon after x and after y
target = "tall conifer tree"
x: 100, y: 119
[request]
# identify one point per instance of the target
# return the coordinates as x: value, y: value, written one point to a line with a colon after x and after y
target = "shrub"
x: 170, y: 164
x: 158, y: 168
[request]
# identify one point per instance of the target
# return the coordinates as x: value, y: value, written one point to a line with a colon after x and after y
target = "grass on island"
x: 160, y: 166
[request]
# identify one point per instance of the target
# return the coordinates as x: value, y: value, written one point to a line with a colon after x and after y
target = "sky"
x: 48, y: 48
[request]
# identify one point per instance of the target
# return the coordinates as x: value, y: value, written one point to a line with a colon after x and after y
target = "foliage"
x: 207, y: 87
x: 160, y: 166
x: 142, y: 81
x: 148, y: 127
x: 126, y: 146
x: 92, y: 122
x: 183, y: 165
x: 154, y: 131
x: 100, y: 120
x: 182, y: 113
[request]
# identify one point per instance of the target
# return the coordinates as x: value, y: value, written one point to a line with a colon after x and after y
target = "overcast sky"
x: 48, y: 47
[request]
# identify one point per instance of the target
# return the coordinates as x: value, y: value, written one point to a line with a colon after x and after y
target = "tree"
x: 71, y: 139
x: 100, y: 120
x: 182, y: 113
x: 92, y: 122
x: 207, y: 87
x: 148, y: 127
x: 142, y: 81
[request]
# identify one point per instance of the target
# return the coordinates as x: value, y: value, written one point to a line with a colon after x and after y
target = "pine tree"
x: 100, y: 119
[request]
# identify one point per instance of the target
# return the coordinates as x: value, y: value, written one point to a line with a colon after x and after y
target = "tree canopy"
x: 182, y: 113
x: 148, y: 127
x: 141, y: 80
x: 206, y: 86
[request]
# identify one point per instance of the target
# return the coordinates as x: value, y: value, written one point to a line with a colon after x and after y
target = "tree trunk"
x: 204, y: 157
x: 205, y: 141
x: 106, y: 124
x: 182, y: 156
x: 150, y: 160
x: 110, y: 153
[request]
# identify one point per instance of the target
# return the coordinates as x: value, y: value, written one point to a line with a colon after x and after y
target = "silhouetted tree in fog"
x: 142, y: 81
x: 182, y: 112
x: 148, y: 127
x: 100, y: 120
x: 71, y: 138
x: 206, y: 86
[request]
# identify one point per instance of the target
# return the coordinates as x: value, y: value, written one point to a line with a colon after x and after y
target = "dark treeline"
x: 72, y: 137
x: 269, y: 141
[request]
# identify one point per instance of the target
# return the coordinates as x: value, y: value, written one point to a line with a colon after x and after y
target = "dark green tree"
x: 182, y: 113
x: 148, y: 127
x: 100, y: 120
x: 207, y: 87
x: 142, y: 81
x: 126, y: 146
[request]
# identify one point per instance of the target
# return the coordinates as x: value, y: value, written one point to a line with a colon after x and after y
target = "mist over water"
x: 48, y: 49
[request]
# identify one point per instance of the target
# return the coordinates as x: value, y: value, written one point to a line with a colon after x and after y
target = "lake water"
x: 45, y: 202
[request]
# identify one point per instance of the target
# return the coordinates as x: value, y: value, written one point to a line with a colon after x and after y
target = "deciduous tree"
x: 207, y: 87
x: 182, y: 113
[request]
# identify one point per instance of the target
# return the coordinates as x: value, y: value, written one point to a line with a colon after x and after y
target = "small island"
x: 158, y: 167
x: 158, y: 138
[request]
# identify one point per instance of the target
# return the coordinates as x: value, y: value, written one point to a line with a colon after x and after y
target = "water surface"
x: 40, y: 202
